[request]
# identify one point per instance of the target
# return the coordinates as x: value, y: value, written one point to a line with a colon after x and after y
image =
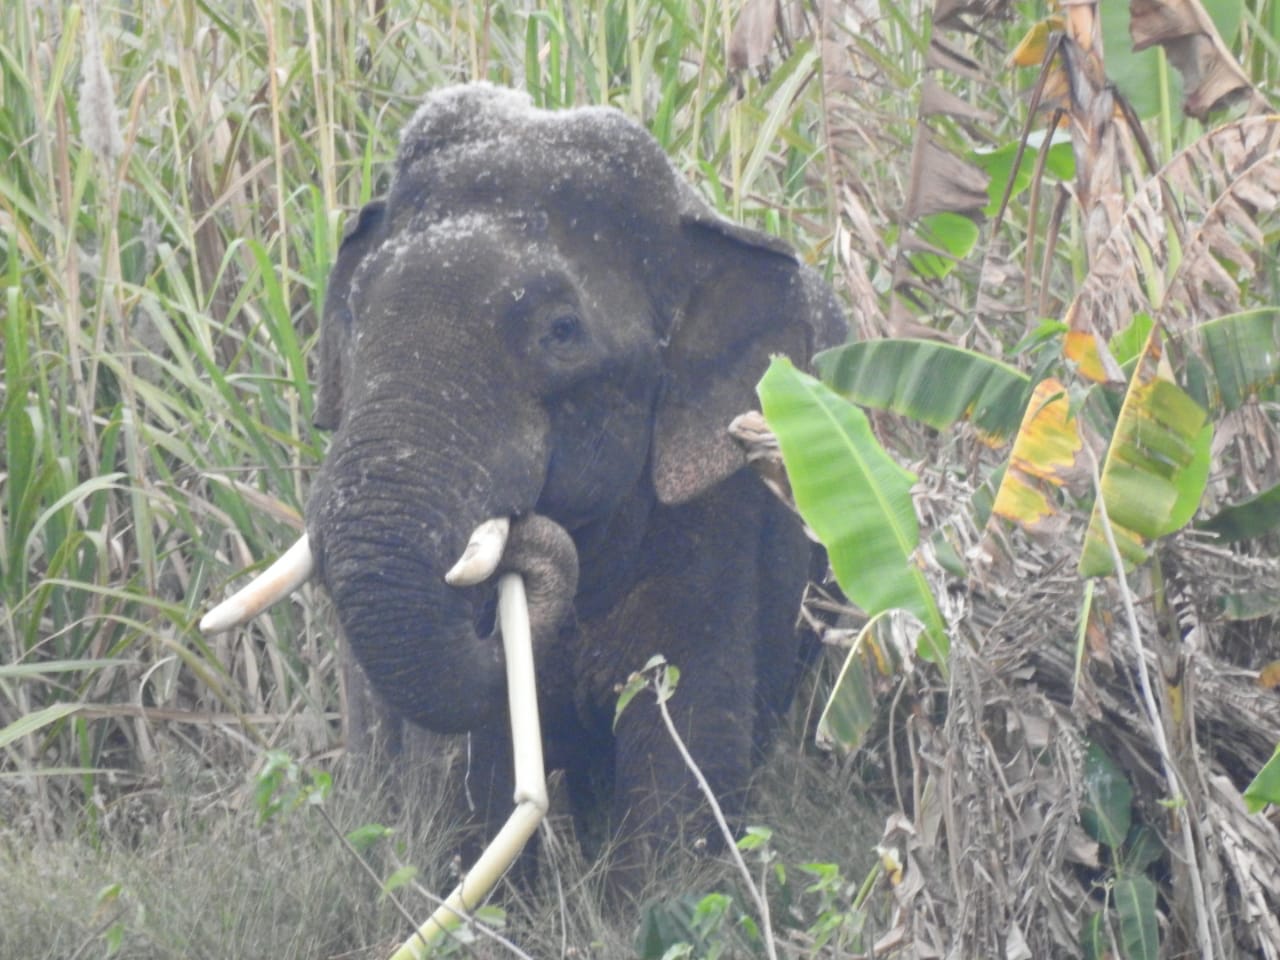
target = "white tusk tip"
x: 287, y: 574
x: 222, y: 617
x: 483, y: 553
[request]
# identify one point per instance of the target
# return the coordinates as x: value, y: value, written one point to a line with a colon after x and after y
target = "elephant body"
x: 543, y: 322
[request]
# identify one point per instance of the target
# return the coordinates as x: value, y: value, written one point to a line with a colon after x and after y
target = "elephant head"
x: 541, y: 318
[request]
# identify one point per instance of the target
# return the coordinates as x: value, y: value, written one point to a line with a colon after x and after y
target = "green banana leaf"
x: 855, y: 498
x: 1265, y: 787
x: 1135, y: 899
x: 1155, y: 470
x: 934, y: 383
x: 852, y: 707
x: 1249, y: 518
x: 952, y: 237
x: 1106, y: 810
x: 1233, y: 358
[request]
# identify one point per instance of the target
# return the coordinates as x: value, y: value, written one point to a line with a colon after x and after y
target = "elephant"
x: 541, y: 321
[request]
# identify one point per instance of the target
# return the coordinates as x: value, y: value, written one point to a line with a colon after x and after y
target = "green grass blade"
x: 80, y: 493
x: 40, y: 668
x: 36, y: 720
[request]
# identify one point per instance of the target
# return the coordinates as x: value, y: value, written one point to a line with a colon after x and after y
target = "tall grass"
x: 173, y: 179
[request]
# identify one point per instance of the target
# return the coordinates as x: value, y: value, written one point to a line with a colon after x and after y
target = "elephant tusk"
x: 286, y: 575
x: 530, y: 776
x: 482, y: 554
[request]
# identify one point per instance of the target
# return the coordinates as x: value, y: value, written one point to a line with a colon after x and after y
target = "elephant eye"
x: 563, y: 329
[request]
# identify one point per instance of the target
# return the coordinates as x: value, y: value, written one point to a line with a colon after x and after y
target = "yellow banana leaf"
x: 1045, y: 453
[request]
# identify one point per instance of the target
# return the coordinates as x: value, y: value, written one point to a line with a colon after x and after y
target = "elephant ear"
x: 358, y: 238
x: 747, y: 298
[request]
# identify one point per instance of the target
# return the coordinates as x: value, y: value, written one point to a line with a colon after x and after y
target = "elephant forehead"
x: 457, y: 260
x: 474, y: 118
x: 481, y: 145
x: 469, y: 233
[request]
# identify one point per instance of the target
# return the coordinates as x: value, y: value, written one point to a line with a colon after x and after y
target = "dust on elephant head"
x: 542, y: 318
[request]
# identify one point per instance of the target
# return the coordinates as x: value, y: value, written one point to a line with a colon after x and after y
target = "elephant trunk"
x: 387, y: 520
x: 415, y: 636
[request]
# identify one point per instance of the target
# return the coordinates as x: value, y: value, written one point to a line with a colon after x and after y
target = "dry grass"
x: 190, y: 871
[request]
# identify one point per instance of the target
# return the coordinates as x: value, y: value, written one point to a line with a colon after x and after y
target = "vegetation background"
x: 175, y: 176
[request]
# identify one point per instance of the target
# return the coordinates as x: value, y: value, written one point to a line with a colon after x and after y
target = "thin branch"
x: 761, y: 902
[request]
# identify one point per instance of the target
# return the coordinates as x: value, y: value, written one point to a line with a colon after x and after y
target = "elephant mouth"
x: 484, y: 610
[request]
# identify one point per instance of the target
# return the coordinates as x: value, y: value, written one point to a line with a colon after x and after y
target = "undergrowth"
x: 193, y: 870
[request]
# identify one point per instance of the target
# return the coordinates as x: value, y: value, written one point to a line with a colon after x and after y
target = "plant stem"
x: 761, y: 902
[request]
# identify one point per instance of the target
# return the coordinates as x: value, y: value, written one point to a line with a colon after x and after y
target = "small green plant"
x: 829, y: 910
x: 834, y: 907
x: 815, y: 903
x: 687, y: 928
x: 108, y: 903
x: 1128, y: 918
x: 283, y: 786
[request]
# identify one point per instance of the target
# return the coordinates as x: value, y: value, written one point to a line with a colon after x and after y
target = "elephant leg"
x: 586, y: 757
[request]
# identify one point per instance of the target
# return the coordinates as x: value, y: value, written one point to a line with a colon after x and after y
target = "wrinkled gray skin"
x: 543, y: 321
